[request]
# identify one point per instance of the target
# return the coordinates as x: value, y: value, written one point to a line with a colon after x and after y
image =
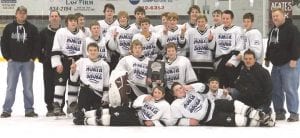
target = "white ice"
x: 50, y: 127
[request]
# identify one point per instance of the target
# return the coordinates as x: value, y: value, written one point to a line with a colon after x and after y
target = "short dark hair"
x: 70, y: 17
x: 217, y: 11
x: 193, y: 7
x: 93, y: 45
x: 139, y: 9
x: 249, y: 15
x: 144, y: 20
x: 229, y: 12
x: 173, y: 85
x: 249, y: 52
x: 108, y: 5
x: 78, y: 14
x: 213, y: 78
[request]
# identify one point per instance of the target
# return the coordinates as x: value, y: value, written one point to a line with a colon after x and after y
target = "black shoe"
x: 78, y: 121
x: 5, y: 115
x: 31, y: 114
x: 72, y: 108
x: 50, y: 113
x: 280, y: 116
x: 293, y: 117
x: 79, y: 114
x: 56, y: 109
x: 62, y: 113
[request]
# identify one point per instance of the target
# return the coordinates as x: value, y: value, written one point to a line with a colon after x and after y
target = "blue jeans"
x: 285, y: 85
x: 14, y: 68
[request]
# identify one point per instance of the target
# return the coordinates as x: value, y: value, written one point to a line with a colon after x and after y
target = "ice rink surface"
x: 49, y: 127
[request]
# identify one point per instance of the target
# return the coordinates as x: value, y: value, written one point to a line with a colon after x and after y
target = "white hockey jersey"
x: 253, y: 41
x: 189, y: 25
x: 105, y: 26
x: 157, y: 111
x: 180, y: 70
x: 150, y: 48
x: 199, y: 47
x: 194, y: 105
x: 228, y: 39
x: 123, y: 39
x: 159, y: 28
x: 86, y: 31
x: 94, y: 74
x: 136, y: 68
x: 218, y: 95
x: 174, y: 36
x: 68, y: 44
x: 102, y: 47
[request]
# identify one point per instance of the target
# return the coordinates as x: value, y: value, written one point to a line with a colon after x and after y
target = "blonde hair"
x: 123, y: 13
x: 172, y: 15
x: 135, y: 43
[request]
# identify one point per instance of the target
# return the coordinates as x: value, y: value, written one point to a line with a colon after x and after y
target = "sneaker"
x: 280, y: 116
x: 5, y: 115
x: 72, y: 108
x: 31, y: 114
x: 293, y: 117
x: 56, y: 109
x: 50, y: 113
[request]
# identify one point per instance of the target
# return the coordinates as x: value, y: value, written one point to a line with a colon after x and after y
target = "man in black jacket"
x: 20, y: 46
x: 254, y: 84
x: 47, y: 37
x: 283, y: 51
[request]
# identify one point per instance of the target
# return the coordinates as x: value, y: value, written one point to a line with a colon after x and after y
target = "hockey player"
x: 109, y: 21
x: 139, y: 14
x: 193, y: 12
x: 153, y: 110
x: 193, y: 108
x: 178, y: 69
x: 150, y: 41
x: 120, y: 37
x: 164, y: 23
x: 252, y: 38
x: 67, y: 46
x: 136, y: 65
x: 81, y: 24
x: 229, y: 43
x: 47, y: 37
x: 200, y: 45
x: 94, y: 75
x: 215, y: 92
x: 98, y: 38
x: 174, y: 33
x: 217, y: 18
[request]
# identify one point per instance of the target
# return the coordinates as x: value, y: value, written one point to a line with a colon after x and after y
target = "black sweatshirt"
x: 20, y: 42
x: 283, y: 44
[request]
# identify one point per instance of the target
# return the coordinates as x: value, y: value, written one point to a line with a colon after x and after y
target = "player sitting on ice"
x: 153, y: 110
x: 193, y: 108
x: 94, y: 79
x: 215, y: 92
x: 127, y: 82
